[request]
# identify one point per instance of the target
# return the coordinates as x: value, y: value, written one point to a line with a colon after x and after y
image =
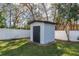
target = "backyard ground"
x: 24, y: 48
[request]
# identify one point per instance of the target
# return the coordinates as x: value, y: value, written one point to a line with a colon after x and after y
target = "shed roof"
x: 48, y: 22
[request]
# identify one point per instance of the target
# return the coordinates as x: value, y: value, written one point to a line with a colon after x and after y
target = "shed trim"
x: 48, y: 22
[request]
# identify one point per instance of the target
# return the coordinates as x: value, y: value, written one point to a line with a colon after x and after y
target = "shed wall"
x: 49, y: 34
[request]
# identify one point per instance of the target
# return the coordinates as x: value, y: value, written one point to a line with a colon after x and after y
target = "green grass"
x: 24, y: 48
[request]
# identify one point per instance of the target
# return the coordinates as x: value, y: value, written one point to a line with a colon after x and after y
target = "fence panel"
x: 73, y: 35
x: 13, y: 33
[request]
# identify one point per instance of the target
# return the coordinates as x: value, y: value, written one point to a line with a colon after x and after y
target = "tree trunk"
x: 10, y: 19
x: 76, y: 26
x: 55, y: 15
x: 67, y: 32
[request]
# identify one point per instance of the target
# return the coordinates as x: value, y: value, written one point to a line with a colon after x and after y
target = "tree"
x: 74, y: 13
x: 38, y: 11
x: 64, y: 13
x: 7, y: 8
x: 30, y: 8
x: 68, y: 13
x: 10, y: 11
x: 2, y: 20
x: 45, y: 11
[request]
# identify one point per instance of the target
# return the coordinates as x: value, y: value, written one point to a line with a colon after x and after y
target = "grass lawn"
x: 24, y: 48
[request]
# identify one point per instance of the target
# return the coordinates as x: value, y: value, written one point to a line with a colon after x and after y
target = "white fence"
x: 61, y: 35
x: 13, y: 33
x: 6, y: 34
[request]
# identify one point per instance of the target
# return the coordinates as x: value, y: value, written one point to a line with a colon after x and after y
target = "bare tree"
x: 45, y: 10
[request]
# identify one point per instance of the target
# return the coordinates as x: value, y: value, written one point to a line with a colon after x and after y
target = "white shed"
x: 42, y: 32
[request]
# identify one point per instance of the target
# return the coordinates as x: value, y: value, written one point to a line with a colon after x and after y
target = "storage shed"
x: 42, y: 32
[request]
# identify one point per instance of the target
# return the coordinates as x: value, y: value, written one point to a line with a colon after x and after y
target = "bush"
x: 27, y: 27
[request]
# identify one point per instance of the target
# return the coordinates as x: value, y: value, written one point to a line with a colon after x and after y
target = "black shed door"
x: 36, y: 34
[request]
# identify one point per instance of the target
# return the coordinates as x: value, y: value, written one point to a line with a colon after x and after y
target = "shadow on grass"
x: 70, y: 48
x: 25, y: 48
x: 30, y: 49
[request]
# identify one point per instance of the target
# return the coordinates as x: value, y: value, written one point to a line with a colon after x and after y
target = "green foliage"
x: 27, y: 27
x: 68, y: 12
x: 74, y: 11
x: 2, y: 20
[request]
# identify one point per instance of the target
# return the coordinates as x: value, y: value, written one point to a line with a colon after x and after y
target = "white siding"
x: 49, y: 35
